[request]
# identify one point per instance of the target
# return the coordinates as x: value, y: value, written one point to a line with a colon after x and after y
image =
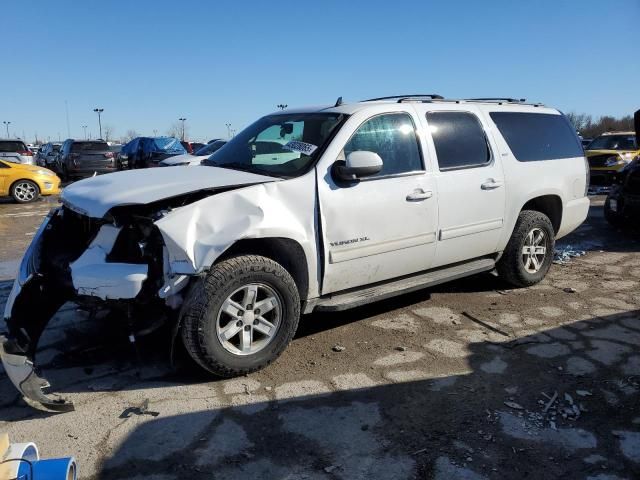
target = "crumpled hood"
x: 97, y: 195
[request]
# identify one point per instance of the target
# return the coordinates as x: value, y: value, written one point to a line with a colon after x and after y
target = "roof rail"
x: 401, y: 98
x: 497, y: 99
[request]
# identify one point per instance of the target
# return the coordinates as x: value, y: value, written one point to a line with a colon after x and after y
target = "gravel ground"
x: 469, y: 380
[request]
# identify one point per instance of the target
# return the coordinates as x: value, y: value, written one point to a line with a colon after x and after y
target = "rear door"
x: 469, y: 179
x: 383, y: 226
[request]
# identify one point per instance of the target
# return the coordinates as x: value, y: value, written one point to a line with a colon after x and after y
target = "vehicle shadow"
x: 566, y: 398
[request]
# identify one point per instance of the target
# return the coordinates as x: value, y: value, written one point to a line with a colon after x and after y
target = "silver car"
x: 16, y: 151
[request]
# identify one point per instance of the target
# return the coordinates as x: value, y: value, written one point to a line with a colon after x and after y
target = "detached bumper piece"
x: 21, y: 372
x: 41, y: 289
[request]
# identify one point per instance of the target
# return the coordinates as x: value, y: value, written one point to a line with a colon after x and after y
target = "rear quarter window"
x: 12, y: 146
x: 535, y: 137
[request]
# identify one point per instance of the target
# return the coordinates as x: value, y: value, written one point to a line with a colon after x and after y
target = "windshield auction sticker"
x: 301, y: 147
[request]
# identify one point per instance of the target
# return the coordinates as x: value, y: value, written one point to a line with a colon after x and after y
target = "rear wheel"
x: 25, y: 191
x: 242, y: 316
x: 529, y: 253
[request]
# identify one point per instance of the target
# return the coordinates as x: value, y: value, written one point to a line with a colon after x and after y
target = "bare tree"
x: 131, y: 134
x: 108, y: 131
x: 175, y: 130
x: 590, y: 128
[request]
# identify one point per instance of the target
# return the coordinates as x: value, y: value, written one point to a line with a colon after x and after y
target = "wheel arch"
x: 285, y: 251
x: 550, y: 205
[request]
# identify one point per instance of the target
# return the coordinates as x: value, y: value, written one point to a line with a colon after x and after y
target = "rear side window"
x: 393, y: 137
x: 459, y: 140
x: 12, y: 146
x: 89, y: 146
x: 534, y: 137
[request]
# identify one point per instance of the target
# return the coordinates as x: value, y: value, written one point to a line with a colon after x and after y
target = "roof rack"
x: 401, y: 98
x: 497, y: 99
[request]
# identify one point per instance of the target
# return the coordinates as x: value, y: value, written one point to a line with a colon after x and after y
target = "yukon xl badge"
x: 348, y: 242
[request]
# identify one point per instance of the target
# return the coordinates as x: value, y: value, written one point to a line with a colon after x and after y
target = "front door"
x: 470, y: 183
x: 382, y: 226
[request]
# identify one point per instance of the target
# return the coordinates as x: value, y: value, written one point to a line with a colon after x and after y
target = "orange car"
x: 26, y: 183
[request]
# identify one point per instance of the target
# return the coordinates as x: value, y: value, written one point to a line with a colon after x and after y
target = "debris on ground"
x: 551, y: 401
x: 339, y: 348
x: 401, y: 349
x: 142, y: 409
x: 331, y: 468
x: 514, y: 405
x: 563, y: 254
x: 569, y: 290
x: 583, y: 393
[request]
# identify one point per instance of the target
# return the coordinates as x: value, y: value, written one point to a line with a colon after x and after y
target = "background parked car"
x: 193, y: 159
x: 144, y: 152
x: 25, y: 183
x: 608, y: 154
x: 84, y: 158
x: 586, y: 142
x: 47, y: 156
x: 15, y: 150
x: 622, y: 206
x: 192, y: 147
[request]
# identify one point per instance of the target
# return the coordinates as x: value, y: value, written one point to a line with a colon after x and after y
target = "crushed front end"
x: 116, y: 263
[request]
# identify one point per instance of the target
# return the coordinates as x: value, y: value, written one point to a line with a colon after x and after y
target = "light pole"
x: 6, y: 124
x: 182, y: 120
x: 282, y: 106
x: 155, y: 132
x: 85, y: 131
x: 99, y: 111
x: 228, y: 130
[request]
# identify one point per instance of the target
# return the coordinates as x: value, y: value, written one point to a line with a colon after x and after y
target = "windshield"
x: 282, y: 145
x: 210, y: 148
x: 613, y: 142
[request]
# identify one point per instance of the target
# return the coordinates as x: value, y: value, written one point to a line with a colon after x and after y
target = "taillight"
x: 27, y: 153
x: 109, y: 155
x: 588, y: 179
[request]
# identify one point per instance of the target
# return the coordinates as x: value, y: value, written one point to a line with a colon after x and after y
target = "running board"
x: 364, y: 295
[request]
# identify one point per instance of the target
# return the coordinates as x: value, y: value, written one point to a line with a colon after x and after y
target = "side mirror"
x: 358, y: 164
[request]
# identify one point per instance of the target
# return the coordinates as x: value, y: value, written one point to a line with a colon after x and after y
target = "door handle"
x: 418, y: 195
x: 491, y: 184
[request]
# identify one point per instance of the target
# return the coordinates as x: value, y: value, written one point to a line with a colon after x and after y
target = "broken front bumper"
x: 16, y: 359
x: 22, y: 374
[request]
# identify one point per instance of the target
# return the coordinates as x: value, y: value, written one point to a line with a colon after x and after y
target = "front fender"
x: 197, y: 234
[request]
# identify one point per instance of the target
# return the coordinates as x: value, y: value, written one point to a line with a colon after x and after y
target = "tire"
x: 613, y: 218
x: 213, y: 307
x: 25, y: 191
x: 512, y: 267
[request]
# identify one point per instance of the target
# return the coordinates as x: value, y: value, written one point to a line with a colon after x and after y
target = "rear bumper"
x: 573, y: 214
x: 82, y: 172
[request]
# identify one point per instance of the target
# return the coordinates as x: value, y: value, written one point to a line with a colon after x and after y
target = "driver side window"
x: 393, y: 137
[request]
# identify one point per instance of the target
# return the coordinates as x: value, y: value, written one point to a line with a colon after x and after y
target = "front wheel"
x: 25, y: 191
x: 242, y: 316
x: 529, y: 253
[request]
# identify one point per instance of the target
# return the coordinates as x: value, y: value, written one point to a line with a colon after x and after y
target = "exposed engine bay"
x: 118, y: 263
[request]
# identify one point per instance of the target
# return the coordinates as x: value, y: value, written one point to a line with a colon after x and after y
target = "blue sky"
x: 148, y: 63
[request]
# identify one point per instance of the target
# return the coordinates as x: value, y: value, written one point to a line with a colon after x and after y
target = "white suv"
x: 358, y: 202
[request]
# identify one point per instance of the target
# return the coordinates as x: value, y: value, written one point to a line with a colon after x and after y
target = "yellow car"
x: 608, y: 154
x: 25, y: 183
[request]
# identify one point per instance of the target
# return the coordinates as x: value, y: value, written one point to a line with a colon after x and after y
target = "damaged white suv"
x: 312, y: 209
